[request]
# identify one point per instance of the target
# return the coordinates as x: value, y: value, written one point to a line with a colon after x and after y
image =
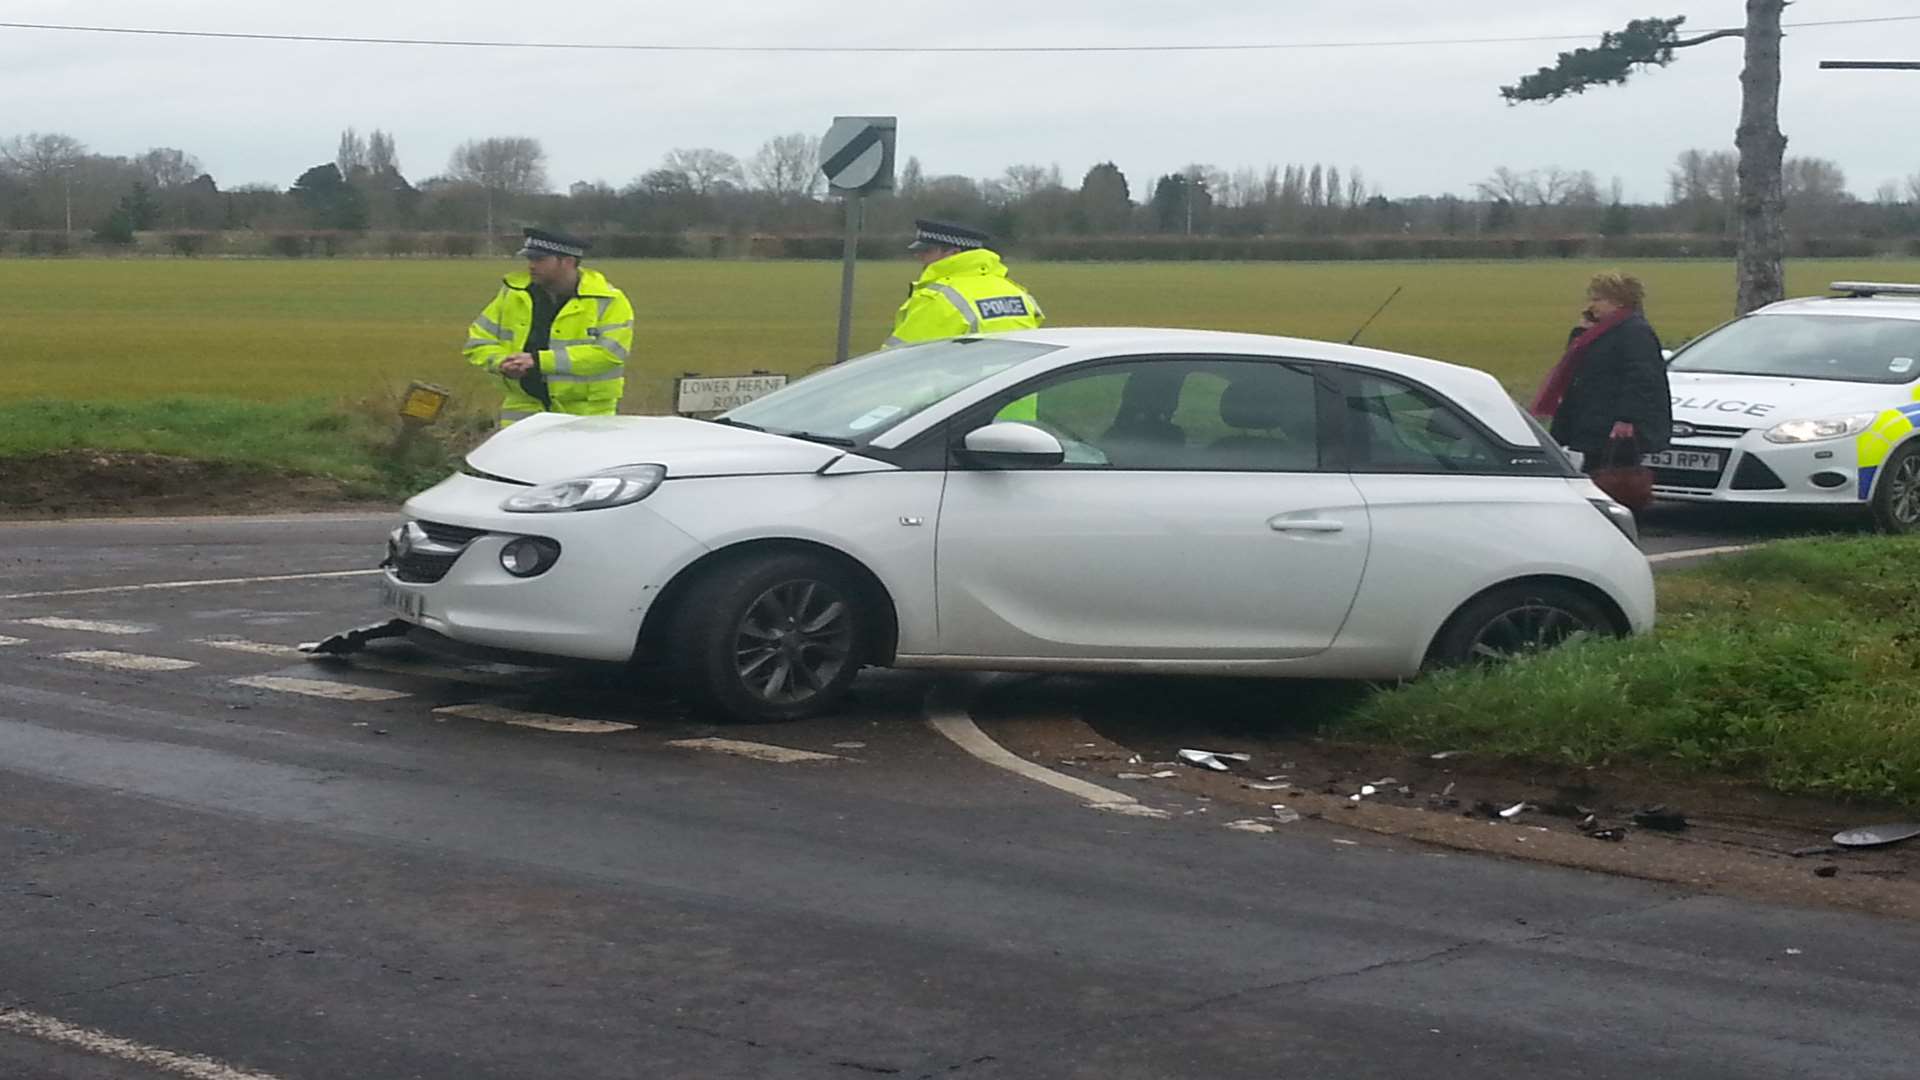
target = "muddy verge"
x: 94, y: 483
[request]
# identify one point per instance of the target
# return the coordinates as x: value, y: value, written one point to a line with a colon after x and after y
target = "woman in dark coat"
x: 1608, y: 395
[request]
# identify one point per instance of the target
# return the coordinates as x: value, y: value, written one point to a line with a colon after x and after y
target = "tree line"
x: 52, y: 182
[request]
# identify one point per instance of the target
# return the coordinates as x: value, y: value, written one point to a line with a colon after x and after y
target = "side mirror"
x: 1008, y: 443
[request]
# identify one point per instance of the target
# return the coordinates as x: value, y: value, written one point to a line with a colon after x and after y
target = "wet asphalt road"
x: 310, y: 887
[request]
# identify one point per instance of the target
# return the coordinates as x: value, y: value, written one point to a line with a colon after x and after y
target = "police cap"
x: 928, y: 234
x: 540, y: 242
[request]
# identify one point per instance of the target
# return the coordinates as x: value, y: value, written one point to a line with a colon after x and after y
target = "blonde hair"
x: 1622, y: 289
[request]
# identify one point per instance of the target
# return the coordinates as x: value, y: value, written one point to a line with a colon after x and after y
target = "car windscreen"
x: 1847, y: 348
x: 863, y: 397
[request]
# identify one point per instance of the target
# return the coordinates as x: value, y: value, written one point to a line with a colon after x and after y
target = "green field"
x: 125, y: 330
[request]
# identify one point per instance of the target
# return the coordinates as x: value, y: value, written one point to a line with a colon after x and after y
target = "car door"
x: 1190, y: 519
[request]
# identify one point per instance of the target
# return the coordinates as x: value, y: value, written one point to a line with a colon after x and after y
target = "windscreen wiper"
x: 814, y: 436
x: 730, y: 422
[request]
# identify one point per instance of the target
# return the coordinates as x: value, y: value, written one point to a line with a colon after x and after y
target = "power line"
x: 329, y: 39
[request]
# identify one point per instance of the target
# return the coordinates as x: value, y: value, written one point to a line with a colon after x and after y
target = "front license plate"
x: 405, y: 603
x: 1690, y: 460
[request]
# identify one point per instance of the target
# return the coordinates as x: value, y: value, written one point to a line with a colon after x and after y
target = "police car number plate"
x: 405, y: 603
x: 1691, y: 460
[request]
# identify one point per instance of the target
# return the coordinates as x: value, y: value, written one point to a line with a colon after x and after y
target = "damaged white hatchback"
x: 1065, y: 500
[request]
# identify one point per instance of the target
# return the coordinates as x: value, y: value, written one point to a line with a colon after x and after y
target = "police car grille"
x: 1706, y: 432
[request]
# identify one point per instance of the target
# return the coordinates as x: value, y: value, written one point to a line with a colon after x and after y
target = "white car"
x: 1811, y: 401
x: 1178, y: 501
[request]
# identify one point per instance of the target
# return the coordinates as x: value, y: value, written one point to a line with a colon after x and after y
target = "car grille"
x: 421, y: 552
x: 1705, y: 432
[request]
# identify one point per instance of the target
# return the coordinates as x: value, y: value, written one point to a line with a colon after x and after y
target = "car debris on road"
x: 1212, y: 759
x: 1876, y: 835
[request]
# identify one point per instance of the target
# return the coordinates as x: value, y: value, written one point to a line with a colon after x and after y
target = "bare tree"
x: 706, y: 168
x: 382, y: 157
x: 502, y: 166
x: 1760, y: 274
x: 164, y: 167
x: 1026, y: 181
x: 44, y: 159
x: 1913, y: 188
x: 351, y: 157
x: 787, y: 166
x: 1506, y: 185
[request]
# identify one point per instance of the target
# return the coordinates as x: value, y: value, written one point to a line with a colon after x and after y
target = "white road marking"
x: 496, y: 714
x: 199, y: 584
x: 319, y: 688
x: 5, y: 640
x: 255, y: 648
x: 953, y: 721
x: 55, y: 622
x: 780, y: 755
x: 127, y: 661
x: 53, y: 1030
x: 1701, y: 553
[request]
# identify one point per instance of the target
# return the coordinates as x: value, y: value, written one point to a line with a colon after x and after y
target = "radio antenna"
x: 1376, y: 314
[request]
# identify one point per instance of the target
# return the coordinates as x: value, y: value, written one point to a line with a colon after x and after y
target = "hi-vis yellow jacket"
x: 585, y: 360
x: 967, y: 293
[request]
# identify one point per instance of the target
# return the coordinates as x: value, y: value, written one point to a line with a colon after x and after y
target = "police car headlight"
x: 614, y: 487
x: 1831, y: 427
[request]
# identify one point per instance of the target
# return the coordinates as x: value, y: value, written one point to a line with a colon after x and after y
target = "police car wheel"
x: 1896, y: 498
x: 1517, y: 620
x: 769, y: 638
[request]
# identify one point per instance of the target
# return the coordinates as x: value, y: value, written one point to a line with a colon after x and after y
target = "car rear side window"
x: 1396, y: 427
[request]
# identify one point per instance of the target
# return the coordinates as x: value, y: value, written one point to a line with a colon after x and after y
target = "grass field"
x: 271, y: 331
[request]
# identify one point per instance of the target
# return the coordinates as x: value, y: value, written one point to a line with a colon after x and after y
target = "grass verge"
x: 1796, y: 666
x: 353, y: 444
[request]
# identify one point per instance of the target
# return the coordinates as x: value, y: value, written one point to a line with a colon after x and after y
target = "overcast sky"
x: 1416, y: 120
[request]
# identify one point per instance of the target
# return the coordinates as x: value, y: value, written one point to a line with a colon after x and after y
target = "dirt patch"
x: 95, y: 483
x: 1701, y: 832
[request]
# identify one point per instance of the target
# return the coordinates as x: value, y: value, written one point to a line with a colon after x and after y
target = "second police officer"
x: 964, y: 289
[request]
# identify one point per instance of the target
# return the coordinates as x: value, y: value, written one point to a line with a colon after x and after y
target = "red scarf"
x: 1547, y: 401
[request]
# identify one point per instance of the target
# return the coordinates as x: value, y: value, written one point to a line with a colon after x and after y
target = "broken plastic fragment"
x: 1130, y: 776
x: 1368, y: 789
x: 1513, y: 811
x: 1163, y: 774
x: 1253, y: 785
x: 1210, y: 759
x: 1876, y: 835
x: 1445, y: 754
x: 1284, y: 814
x: 1250, y: 825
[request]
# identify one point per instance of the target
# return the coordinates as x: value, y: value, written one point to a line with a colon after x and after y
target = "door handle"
x: 1309, y: 525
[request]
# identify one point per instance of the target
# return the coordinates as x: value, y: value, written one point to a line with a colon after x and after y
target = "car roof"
x: 1478, y: 391
x: 1878, y: 307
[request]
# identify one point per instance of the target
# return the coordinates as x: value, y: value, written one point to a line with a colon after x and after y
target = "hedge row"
x: 325, y: 244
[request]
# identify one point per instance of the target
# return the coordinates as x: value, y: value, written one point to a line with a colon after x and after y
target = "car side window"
x: 1394, y: 427
x: 1179, y: 415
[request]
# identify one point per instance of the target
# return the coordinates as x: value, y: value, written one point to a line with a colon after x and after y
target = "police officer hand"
x: 517, y: 365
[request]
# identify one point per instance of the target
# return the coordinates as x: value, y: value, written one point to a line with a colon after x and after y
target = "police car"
x: 1812, y: 401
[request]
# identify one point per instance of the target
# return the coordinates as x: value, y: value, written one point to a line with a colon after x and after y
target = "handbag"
x: 1629, y: 484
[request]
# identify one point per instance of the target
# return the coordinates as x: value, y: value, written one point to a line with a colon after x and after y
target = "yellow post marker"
x: 423, y: 403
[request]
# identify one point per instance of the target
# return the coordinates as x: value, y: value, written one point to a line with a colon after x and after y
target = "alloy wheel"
x: 792, y: 641
x: 1535, y: 626
x: 1903, y: 500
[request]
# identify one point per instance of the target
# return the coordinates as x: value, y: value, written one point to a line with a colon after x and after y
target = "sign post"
x: 856, y: 156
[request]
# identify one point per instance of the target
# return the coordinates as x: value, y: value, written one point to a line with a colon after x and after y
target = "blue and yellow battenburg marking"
x: 1876, y: 443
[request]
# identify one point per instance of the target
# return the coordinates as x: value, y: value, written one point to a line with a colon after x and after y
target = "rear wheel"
x: 1896, y: 496
x: 1517, y: 620
x: 770, y: 638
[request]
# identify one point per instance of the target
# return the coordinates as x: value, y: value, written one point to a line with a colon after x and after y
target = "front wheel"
x: 1896, y: 498
x: 770, y: 638
x: 1516, y: 620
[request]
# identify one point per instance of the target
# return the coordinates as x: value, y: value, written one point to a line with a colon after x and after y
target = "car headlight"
x: 1829, y: 427
x: 614, y: 487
